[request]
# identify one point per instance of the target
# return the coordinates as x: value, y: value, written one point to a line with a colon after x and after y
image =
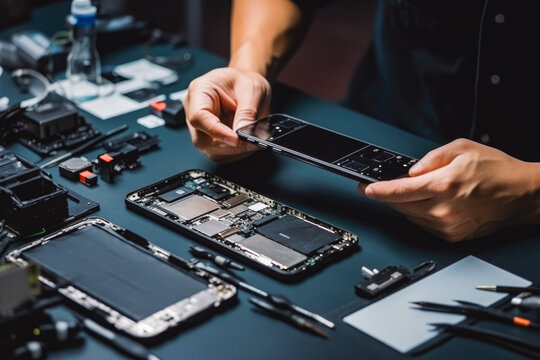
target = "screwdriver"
x: 201, y: 253
x: 277, y: 300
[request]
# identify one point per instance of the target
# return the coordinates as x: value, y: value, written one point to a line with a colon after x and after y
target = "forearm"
x: 264, y: 35
x: 532, y: 211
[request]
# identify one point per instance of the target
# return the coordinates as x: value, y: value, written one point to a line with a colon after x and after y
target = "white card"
x: 151, y: 121
x: 395, y: 322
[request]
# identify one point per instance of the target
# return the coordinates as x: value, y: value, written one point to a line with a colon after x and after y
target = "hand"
x: 220, y: 102
x: 463, y: 190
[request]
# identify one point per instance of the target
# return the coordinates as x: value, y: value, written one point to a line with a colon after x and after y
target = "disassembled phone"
x: 268, y: 235
x: 122, y: 279
x: 326, y: 149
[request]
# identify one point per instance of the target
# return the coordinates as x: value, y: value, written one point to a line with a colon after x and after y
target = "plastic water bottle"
x: 83, y: 65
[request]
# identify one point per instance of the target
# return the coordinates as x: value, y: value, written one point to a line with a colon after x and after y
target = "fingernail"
x: 369, y: 192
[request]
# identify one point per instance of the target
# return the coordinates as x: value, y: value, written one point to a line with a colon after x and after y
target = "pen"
x: 471, y: 309
x: 277, y: 300
x: 288, y: 316
x: 509, y: 289
x: 201, y: 253
x: 122, y: 343
x: 85, y: 146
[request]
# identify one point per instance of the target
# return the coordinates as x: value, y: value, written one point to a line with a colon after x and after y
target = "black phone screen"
x: 123, y: 276
x: 319, y: 143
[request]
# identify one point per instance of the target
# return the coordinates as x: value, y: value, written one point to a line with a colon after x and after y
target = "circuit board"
x: 243, y: 222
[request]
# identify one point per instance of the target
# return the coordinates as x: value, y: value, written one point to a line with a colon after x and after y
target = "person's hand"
x: 463, y: 190
x: 220, y: 102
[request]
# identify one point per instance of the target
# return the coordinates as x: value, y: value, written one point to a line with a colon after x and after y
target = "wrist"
x: 248, y: 58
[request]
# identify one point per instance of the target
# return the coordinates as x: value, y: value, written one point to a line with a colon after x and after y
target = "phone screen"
x: 325, y: 148
x: 304, y: 138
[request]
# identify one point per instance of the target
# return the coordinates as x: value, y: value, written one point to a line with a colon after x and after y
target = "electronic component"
x: 111, y: 164
x: 176, y: 194
x: 140, y: 139
x: 71, y: 168
x: 383, y: 281
x: 31, y: 202
x: 53, y: 126
x: 245, y: 225
x: 298, y: 234
x: 211, y: 227
x: 236, y: 200
x: 169, y: 292
x: 238, y: 209
x: 191, y: 208
x: 215, y: 192
x: 88, y: 178
x: 46, y: 128
x: 274, y: 251
x: 172, y: 111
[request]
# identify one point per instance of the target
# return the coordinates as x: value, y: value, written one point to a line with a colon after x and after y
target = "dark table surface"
x: 385, y: 236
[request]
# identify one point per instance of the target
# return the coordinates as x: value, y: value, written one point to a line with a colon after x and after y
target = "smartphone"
x: 326, y: 149
x: 242, y: 224
x: 123, y: 280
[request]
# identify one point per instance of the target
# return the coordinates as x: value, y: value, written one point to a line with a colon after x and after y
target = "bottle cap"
x: 83, y: 8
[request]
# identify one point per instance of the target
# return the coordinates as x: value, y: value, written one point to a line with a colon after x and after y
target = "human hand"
x: 463, y: 190
x: 220, y: 102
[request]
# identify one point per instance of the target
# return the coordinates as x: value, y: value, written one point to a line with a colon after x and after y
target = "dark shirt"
x: 445, y: 69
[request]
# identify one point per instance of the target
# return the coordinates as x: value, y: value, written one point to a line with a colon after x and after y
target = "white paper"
x: 395, y: 322
x: 145, y: 70
x: 106, y: 107
x: 151, y: 121
x: 179, y: 95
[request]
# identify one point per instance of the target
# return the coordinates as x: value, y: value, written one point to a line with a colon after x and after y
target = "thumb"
x: 436, y: 159
x: 252, y: 103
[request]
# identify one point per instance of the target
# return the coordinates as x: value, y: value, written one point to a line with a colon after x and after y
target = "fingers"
x: 439, y: 157
x: 402, y: 190
x: 253, y: 99
x: 203, y: 111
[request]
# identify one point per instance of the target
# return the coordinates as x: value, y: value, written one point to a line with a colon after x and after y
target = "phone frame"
x: 181, y: 314
x: 286, y: 276
x: 309, y: 159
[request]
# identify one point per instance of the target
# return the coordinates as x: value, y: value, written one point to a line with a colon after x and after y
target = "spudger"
x: 201, y: 253
x: 85, y: 146
x: 288, y: 316
x: 277, y: 300
x: 122, y: 343
x: 509, y: 289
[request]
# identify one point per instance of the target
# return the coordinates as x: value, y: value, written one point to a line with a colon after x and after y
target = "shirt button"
x: 499, y: 18
x: 495, y: 79
x: 484, y: 138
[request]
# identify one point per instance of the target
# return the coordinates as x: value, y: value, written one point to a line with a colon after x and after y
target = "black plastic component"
x: 71, y: 168
x: 114, y: 163
x: 47, y: 128
x: 172, y: 111
x: 140, y: 139
x: 31, y: 202
x: 384, y: 281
